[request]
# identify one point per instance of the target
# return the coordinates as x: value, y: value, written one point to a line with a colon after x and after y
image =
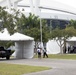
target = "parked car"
x: 4, y: 53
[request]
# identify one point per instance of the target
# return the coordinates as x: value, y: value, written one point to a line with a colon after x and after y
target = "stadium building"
x: 51, y: 10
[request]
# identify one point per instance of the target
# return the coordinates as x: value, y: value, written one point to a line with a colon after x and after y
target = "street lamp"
x: 40, y: 29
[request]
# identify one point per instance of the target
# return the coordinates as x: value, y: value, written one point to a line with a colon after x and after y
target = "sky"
x: 67, y: 5
x: 68, y: 2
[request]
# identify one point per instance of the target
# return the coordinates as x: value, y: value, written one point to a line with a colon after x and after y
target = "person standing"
x: 45, y: 53
x: 39, y: 52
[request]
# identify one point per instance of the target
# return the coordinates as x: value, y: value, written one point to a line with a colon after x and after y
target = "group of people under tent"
x: 40, y: 51
x: 71, y: 49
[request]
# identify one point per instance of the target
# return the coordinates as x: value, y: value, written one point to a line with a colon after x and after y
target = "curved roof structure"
x: 46, y: 9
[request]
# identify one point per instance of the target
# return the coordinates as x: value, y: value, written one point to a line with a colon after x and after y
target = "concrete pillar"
x: 31, y: 6
x: 15, y: 5
x: 9, y: 5
x: 37, y: 10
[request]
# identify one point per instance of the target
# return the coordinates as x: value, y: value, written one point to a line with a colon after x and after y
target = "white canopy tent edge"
x: 24, y: 45
x: 71, y: 41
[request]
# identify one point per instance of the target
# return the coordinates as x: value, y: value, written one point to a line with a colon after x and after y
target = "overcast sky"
x: 68, y: 2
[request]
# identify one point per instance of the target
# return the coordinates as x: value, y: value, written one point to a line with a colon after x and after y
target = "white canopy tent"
x: 18, y: 36
x: 71, y: 45
x: 52, y: 47
x: 4, y: 35
x: 71, y: 41
x: 24, y: 45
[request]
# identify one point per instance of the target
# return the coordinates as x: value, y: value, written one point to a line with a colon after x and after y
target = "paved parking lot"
x: 59, y: 66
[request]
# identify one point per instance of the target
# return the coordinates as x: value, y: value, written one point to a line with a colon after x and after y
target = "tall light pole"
x: 40, y: 29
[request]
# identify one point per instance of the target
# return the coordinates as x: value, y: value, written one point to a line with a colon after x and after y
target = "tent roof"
x: 20, y: 37
x: 72, y: 39
x: 5, y: 36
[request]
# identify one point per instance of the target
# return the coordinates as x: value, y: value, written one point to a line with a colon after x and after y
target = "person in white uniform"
x: 39, y: 52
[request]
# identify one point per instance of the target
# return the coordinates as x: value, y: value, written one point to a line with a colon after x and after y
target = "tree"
x: 57, y: 34
x: 60, y: 35
x: 72, y: 23
x: 31, y: 26
x: 8, y: 20
x: 3, y: 15
x: 18, y: 22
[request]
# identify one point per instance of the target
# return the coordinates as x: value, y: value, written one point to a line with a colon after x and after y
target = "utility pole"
x: 40, y: 29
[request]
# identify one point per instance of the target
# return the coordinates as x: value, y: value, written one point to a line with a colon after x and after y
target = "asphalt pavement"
x: 59, y: 66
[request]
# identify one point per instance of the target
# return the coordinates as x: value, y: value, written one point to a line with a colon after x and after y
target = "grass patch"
x: 14, y: 69
x: 61, y: 56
